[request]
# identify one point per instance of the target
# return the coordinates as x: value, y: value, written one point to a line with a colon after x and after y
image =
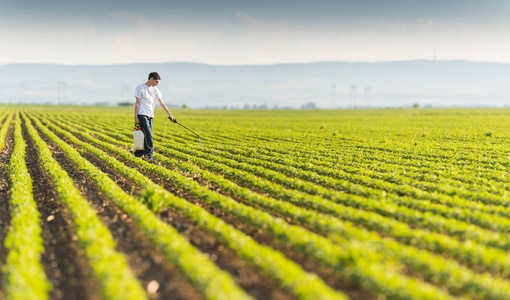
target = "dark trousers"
x: 147, y: 125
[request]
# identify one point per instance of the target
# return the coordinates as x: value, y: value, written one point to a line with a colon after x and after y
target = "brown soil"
x: 63, y: 260
x: 145, y: 260
x: 247, y: 277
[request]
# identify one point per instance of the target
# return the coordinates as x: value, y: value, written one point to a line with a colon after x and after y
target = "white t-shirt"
x: 148, y: 96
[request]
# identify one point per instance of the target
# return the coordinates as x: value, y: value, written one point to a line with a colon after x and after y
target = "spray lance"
x: 175, y: 121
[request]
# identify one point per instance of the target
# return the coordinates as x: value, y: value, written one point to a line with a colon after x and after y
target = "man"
x: 146, y: 95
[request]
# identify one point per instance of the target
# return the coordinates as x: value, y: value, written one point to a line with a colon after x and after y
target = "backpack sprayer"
x: 139, y: 137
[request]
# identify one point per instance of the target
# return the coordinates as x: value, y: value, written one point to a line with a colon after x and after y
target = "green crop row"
x: 438, y: 150
x: 367, y: 160
x: 205, y: 275
x: 434, y: 268
x: 5, y: 128
x: 416, y: 187
x: 369, y: 138
x: 367, y: 163
x: 452, y: 194
x: 476, y: 255
x: 404, y: 187
x: 345, y: 257
x: 369, y: 187
x: 320, y: 143
x: 23, y: 274
x: 463, y: 229
x: 430, y: 183
x: 308, y: 171
x: 435, y: 160
x: 363, y: 175
x: 414, y: 179
x: 273, y: 263
x: 468, y: 252
x: 354, y: 172
x: 426, y: 218
x: 109, y: 266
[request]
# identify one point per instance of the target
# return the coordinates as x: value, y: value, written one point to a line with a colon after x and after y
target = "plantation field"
x: 360, y: 204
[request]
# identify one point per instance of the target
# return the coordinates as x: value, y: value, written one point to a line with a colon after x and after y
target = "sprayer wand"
x: 175, y: 121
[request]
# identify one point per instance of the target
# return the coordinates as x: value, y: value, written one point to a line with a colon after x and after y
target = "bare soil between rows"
x: 327, y: 274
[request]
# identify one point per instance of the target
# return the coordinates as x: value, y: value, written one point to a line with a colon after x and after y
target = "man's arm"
x: 163, y: 105
x: 137, y: 108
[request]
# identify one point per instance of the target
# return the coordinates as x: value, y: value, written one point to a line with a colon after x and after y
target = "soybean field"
x: 344, y: 204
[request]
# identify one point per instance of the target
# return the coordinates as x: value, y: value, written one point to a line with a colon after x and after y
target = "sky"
x: 243, y: 32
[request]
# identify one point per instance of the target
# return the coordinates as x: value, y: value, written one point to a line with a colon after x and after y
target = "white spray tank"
x: 139, y: 137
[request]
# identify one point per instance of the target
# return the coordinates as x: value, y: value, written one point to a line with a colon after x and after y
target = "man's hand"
x: 173, y: 119
x: 137, y: 122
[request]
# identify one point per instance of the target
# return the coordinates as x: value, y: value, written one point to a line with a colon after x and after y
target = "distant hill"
x: 327, y: 84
